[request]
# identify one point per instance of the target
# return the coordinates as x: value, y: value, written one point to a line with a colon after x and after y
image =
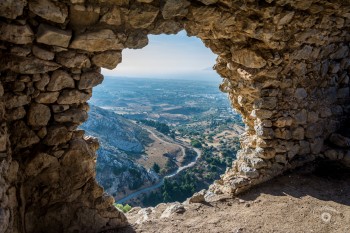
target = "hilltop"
x: 121, y: 141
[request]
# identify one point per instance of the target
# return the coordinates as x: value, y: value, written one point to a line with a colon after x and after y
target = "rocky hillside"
x: 121, y: 141
x: 294, y: 202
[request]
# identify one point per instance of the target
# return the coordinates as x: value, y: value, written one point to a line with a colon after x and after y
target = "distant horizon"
x: 184, y: 77
x: 167, y: 56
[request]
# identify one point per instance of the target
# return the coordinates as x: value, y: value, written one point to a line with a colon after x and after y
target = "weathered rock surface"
x: 73, y: 60
x: 71, y: 115
x: 248, y: 58
x: 98, y: 41
x: 52, y: 11
x: 53, y: 36
x: 60, y: 80
x: 112, y: 17
x: 81, y: 16
x: 176, y: 208
x: 17, y: 34
x: 25, y: 65
x: 42, y: 53
x: 89, y: 80
x: 109, y: 59
x: 38, y: 115
x: 57, y: 135
x: 73, y: 97
x: 11, y: 9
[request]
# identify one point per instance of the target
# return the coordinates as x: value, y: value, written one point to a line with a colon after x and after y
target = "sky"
x: 167, y: 56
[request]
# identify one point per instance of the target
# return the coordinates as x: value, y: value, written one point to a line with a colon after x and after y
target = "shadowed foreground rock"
x: 284, y: 64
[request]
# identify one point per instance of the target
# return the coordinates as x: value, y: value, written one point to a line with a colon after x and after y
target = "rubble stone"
x: 38, y: 115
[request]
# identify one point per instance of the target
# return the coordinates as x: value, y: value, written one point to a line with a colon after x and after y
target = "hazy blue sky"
x: 167, y: 56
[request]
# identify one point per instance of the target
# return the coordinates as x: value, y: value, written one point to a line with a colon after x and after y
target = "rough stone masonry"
x: 284, y: 63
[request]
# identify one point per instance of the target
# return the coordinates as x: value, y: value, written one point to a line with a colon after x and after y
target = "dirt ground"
x: 306, y: 200
x: 156, y: 150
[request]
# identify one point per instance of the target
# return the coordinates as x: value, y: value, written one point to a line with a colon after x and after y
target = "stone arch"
x: 284, y: 64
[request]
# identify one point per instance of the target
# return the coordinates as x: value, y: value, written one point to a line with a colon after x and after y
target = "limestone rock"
x: 340, y: 53
x: 3, y: 139
x: 173, y: 209
x: 47, y: 97
x: 136, y: 40
x: 248, y: 171
x: 112, y: 17
x: 18, y: 86
x: 43, y: 54
x: 301, y: 117
x: 198, y: 197
x: 39, y: 163
x: 59, y: 108
x: 38, y: 115
x: 60, y: 80
x: 339, y: 140
x: 285, y: 18
x: 52, y: 11
x: 81, y: 16
x: 73, y: 97
x: 57, y: 135
x: 313, y: 130
x: 97, y: 41
x: 89, y: 80
x: 42, y: 132
x: 42, y: 83
x: 114, y: 2
x: 265, y: 153
x: 5, y: 215
x: 143, y: 18
x: 298, y: 133
x: 11, y: 9
x: 248, y: 58
x: 53, y: 36
x: 20, y: 51
x: 175, y: 8
x: 208, y: 2
x: 108, y: 59
x: 17, y: 34
x: 15, y: 101
x: 22, y: 136
x: 25, y: 65
x: 257, y: 163
x: 92, y: 142
x: 73, y: 60
x: 15, y: 113
x: 300, y: 93
x: 167, y: 27
x: 72, y: 115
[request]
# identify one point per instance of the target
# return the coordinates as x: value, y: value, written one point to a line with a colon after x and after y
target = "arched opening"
x: 165, y: 129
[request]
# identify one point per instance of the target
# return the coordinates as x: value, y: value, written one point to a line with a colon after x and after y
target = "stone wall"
x: 284, y: 64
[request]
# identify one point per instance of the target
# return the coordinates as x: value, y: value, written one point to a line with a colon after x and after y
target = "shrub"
x: 156, y: 167
x: 196, y: 144
x: 125, y: 208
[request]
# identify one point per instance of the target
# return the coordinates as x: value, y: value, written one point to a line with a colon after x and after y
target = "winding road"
x: 161, y: 182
